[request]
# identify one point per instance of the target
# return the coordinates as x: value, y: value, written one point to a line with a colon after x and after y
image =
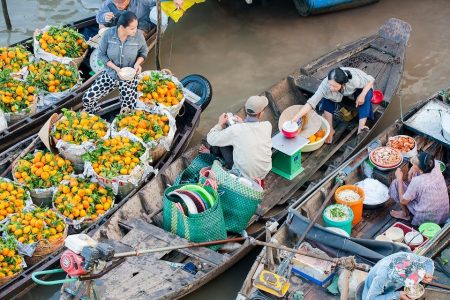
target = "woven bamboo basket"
x: 7, y: 279
x: 45, y: 248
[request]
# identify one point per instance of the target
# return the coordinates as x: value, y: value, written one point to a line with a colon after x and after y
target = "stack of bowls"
x: 192, y: 199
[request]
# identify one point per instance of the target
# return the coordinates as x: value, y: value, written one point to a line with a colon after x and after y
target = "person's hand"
x: 223, y: 119
x: 399, y: 174
x: 109, y: 16
x: 359, y: 101
x: 427, y: 278
x: 403, y: 296
x: 178, y: 3
x: 138, y: 68
x: 296, y: 118
x: 238, y: 119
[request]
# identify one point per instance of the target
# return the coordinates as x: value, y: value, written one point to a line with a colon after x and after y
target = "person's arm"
x: 376, y: 290
x: 104, y: 14
x: 142, y: 53
x: 102, y: 52
x: 362, y: 96
x: 401, y: 192
x: 219, y: 135
x: 313, y: 101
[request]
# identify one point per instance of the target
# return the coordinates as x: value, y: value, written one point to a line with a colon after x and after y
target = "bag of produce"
x: 41, y: 172
x: 120, y: 162
x: 38, y: 231
x: 14, y: 197
x: 75, y: 133
x: 18, y: 99
x: 13, y: 265
x: 54, y: 81
x: 155, y: 127
x: 61, y: 44
x: 157, y: 88
x: 80, y: 201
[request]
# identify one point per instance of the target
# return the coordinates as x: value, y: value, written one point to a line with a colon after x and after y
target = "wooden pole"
x: 158, y: 35
x: 6, y: 15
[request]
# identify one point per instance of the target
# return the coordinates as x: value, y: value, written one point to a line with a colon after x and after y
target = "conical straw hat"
x: 311, y: 123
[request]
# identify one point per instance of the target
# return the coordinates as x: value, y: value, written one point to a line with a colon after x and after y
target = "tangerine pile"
x: 145, y: 125
x: 36, y: 225
x: 317, y: 136
x: 159, y: 90
x: 79, y: 127
x: 42, y: 170
x: 53, y: 76
x: 14, y: 58
x: 115, y: 156
x: 10, y: 260
x: 62, y: 41
x: 12, y: 198
x: 15, y: 95
x: 80, y: 198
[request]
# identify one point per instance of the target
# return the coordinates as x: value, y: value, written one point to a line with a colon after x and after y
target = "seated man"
x: 425, y: 197
x: 250, y: 138
x: 110, y: 10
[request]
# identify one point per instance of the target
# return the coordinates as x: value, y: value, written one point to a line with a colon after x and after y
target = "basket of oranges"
x: 318, y: 139
x: 14, y: 58
x: 59, y: 43
x: 119, y: 162
x: 38, y: 231
x: 82, y: 201
x: 11, y: 262
x: 41, y: 172
x: 13, y: 198
x: 77, y: 132
x: 18, y: 99
x: 156, y: 128
x: 54, y: 80
x: 157, y: 88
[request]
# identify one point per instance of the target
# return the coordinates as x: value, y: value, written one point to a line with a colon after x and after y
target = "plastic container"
x: 356, y: 206
x: 344, y: 224
x: 410, y: 153
x: 429, y: 230
x: 290, y: 129
x: 377, y: 97
x: 319, y: 282
x: 317, y: 144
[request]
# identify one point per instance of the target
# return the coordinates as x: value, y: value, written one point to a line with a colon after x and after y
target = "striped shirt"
x: 359, y: 80
x: 428, y: 196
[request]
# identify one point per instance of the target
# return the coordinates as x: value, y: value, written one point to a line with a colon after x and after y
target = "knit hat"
x: 255, y: 104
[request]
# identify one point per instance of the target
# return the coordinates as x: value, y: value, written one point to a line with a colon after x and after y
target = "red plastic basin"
x: 377, y: 97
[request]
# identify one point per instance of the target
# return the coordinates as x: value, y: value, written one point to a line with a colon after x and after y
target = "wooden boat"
x: 137, y: 222
x: 374, y: 221
x: 30, y: 125
x: 186, y: 123
x: 309, y: 7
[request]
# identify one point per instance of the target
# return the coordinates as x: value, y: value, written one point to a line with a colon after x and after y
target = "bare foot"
x: 329, y: 139
x: 399, y: 214
x: 203, y: 149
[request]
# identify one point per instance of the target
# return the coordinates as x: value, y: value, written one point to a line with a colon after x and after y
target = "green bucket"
x: 429, y: 229
x: 343, y: 224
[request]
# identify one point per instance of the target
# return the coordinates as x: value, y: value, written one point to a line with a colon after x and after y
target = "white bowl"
x: 413, y: 238
x: 383, y: 238
x: 127, y: 73
x: 317, y: 144
x: 290, y: 126
x: 410, y: 153
x: 395, y: 234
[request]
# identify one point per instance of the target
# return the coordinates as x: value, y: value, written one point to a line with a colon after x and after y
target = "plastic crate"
x: 407, y: 229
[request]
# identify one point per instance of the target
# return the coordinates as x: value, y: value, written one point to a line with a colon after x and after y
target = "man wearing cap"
x: 250, y: 139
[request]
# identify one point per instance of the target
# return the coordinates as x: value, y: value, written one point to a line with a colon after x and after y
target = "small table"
x: 287, y: 160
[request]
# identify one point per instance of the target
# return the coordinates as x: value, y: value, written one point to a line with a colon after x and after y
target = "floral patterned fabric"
x: 395, y: 272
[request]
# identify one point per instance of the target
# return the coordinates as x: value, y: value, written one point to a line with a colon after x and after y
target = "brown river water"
x: 245, y: 49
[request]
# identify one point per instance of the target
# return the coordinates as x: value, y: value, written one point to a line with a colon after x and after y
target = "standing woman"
x: 120, y: 46
x: 342, y: 82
